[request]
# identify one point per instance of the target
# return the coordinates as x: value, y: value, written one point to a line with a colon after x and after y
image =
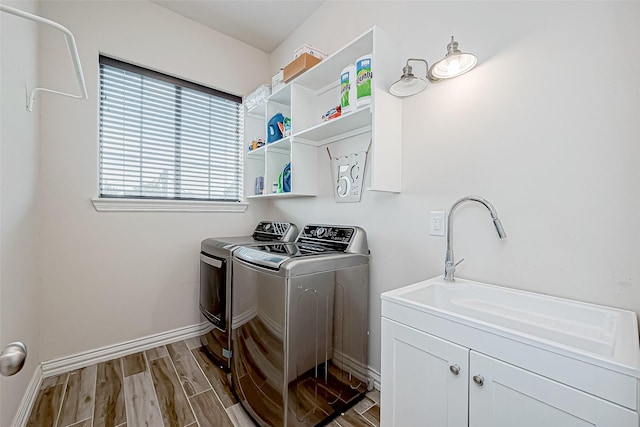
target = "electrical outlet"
x: 436, y: 223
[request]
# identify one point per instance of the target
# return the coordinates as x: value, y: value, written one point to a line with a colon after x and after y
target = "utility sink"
x: 571, y: 327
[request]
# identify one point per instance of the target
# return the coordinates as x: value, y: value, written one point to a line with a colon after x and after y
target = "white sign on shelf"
x: 348, y: 175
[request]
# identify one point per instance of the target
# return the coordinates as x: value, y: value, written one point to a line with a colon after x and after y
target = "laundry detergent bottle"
x: 284, y: 179
x: 274, y: 132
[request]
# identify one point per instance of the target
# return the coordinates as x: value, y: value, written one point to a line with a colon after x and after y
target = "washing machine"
x: 300, y: 326
x: 216, y: 281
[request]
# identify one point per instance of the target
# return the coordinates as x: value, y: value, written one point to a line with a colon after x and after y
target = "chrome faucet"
x: 449, y: 263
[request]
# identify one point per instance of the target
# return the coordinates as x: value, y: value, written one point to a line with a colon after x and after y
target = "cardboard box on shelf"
x: 299, y: 66
x: 307, y: 48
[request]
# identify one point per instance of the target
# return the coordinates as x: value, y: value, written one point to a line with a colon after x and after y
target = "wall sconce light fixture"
x: 455, y: 63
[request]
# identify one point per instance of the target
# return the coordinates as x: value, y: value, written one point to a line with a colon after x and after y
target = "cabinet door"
x: 510, y: 396
x: 420, y: 386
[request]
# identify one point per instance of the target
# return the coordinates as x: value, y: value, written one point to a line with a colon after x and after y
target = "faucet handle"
x: 450, y: 270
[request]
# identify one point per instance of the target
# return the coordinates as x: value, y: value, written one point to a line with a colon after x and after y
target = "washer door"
x: 258, y: 333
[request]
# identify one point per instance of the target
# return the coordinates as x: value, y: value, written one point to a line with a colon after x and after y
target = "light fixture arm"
x: 408, y: 69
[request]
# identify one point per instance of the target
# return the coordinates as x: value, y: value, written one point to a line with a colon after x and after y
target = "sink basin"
x: 581, y: 328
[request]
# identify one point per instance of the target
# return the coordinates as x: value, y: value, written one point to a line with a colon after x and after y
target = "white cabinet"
x: 431, y: 381
x: 306, y: 98
x: 424, y: 379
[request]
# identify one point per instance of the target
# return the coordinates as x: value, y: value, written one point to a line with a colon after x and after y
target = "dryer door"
x: 213, y: 289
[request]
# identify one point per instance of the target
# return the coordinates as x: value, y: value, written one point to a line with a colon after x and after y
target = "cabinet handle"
x: 479, y: 380
x: 455, y: 369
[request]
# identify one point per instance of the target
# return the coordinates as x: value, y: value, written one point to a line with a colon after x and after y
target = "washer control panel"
x: 336, y: 234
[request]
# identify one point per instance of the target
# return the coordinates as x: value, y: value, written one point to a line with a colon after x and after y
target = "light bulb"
x: 453, y: 66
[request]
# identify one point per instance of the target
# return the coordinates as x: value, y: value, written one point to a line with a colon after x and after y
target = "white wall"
x: 546, y: 128
x: 19, y: 278
x: 113, y: 277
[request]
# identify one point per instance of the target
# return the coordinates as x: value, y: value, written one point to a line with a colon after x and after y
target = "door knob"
x: 455, y: 369
x: 12, y: 358
x: 479, y: 380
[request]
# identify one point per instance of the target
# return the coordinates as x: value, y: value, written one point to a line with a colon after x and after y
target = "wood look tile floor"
x: 176, y: 385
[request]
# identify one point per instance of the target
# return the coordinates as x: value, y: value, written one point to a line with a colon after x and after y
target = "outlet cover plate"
x: 436, y: 223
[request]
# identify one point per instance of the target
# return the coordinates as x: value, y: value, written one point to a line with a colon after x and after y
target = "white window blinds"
x: 166, y: 138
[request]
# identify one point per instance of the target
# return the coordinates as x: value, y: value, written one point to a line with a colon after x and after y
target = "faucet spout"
x: 498, y: 224
x: 449, y: 260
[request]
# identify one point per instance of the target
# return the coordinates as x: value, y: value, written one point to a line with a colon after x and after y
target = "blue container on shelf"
x: 273, y: 130
x: 284, y: 180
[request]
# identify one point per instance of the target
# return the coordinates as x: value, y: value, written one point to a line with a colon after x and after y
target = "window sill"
x: 145, y: 205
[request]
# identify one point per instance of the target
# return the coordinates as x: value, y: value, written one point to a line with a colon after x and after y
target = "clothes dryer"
x: 216, y: 279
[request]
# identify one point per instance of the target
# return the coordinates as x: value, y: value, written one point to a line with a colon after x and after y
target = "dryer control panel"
x: 275, y: 231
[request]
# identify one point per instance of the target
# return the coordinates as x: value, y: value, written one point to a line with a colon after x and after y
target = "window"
x: 165, y: 138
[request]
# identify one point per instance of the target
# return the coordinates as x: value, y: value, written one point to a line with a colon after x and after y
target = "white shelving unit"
x: 313, y: 93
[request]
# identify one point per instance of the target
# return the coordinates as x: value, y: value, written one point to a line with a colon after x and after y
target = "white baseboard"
x: 28, y: 399
x: 81, y: 360
x: 343, y: 361
x: 88, y: 358
x: 375, y: 376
